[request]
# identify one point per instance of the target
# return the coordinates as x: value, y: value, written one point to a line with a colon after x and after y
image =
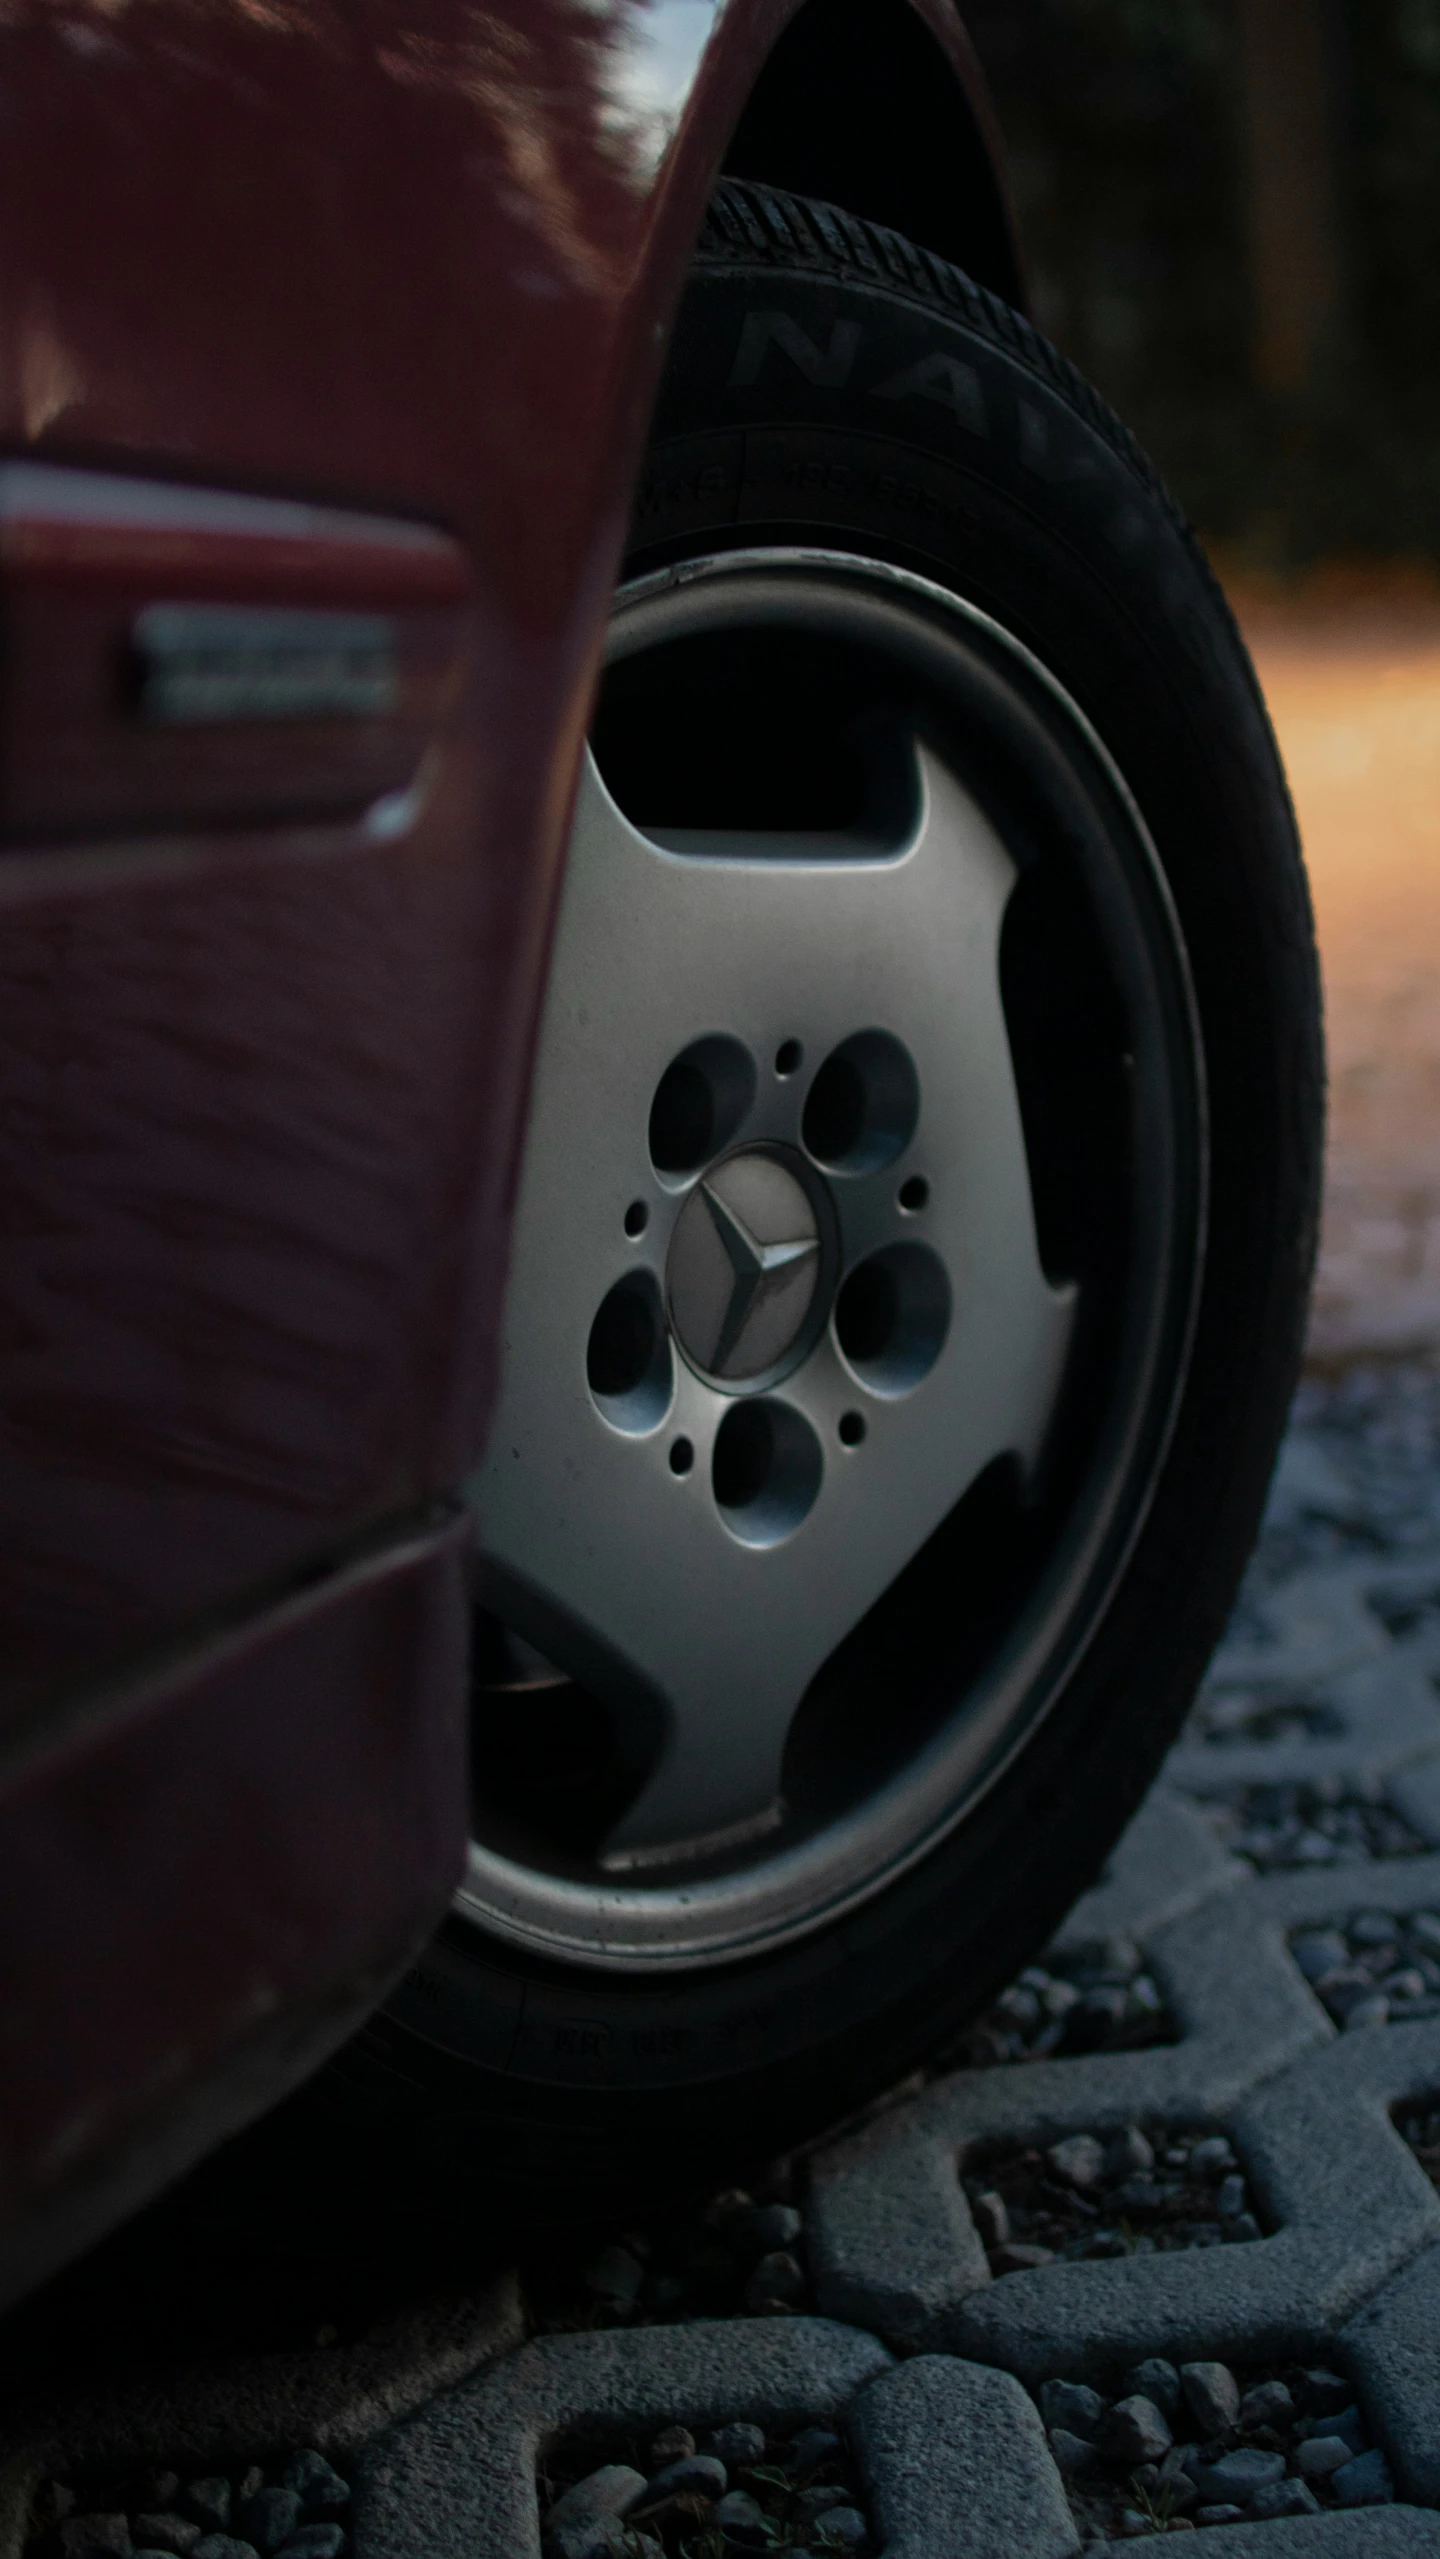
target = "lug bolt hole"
x: 765, y: 1471
x: 788, y: 1057
x: 682, y: 1457
x: 892, y: 1315
x: 852, y: 1429
x: 914, y: 1193
x: 862, y: 1108
x: 627, y: 1358
x: 637, y: 1218
x: 699, y: 1103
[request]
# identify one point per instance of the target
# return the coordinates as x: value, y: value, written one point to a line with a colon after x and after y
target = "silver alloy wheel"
x: 776, y: 1300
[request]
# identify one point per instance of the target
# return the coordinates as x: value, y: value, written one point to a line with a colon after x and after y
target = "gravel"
x: 1118, y: 2195
x: 1373, y: 1967
x: 1091, y: 1999
x: 1326, y: 1821
x: 1379, y: 1429
x: 734, y: 2489
x: 290, y: 2510
x: 736, y: 2255
x: 1207, y: 2444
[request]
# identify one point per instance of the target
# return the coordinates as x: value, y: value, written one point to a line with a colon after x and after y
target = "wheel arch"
x: 880, y: 106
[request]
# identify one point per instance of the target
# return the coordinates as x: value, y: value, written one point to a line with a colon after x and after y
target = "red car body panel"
x: 268, y: 988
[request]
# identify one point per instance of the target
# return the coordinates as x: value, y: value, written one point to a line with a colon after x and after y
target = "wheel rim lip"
x: 613, y: 1926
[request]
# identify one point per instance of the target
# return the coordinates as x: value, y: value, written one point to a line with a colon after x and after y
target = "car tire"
x: 848, y: 427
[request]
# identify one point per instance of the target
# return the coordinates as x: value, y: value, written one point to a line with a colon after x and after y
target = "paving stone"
x: 335, y: 2398
x: 457, y: 2481
x: 1167, y: 1862
x: 1393, y: 2347
x: 1376, y: 2532
x: 892, y: 2245
x: 1350, y: 2209
x: 958, y: 2467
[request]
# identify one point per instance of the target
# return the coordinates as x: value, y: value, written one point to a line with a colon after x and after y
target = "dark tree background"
x: 1232, y: 212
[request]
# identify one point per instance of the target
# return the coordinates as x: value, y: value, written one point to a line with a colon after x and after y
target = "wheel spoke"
x: 721, y: 1606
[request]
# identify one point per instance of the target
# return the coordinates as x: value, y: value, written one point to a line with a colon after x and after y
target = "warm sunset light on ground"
x: 1351, y: 669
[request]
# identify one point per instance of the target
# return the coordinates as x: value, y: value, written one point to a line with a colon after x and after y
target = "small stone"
x: 727, y: 2206
x: 1243, y: 2227
x: 228, y: 2545
x: 1363, y: 2013
x: 770, y: 2226
x: 608, y: 2537
x: 1128, y: 2154
x: 1425, y: 1930
x: 742, y: 2519
x: 1135, y: 2431
x: 1238, y: 2476
x: 1373, y: 1928
x: 739, y: 2445
x: 270, y: 2518
x: 675, y: 2443
x: 1350, y: 2426
x: 319, y: 2483
x: 1073, y: 2456
x: 1078, y: 2162
x: 699, y: 2474
x: 1019, y: 2007
x: 1326, y: 2393
x: 315, y: 2541
x: 1319, y: 1951
x: 844, y: 2528
x: 1320, y: 2456
x: 991, y: 2219
x: 804, y: 2455
x: 1406, y: 1984
x: 1232, y: 2198
x: 813, y: 2502
x: 162, y: 2489
x: 1212, y: 2157
x: 1138, y: 2195
x: 778, y: 2277
x: 168, y: 2532
x: 1221, y: 2514
x: 1130, y: 2524
x: 611, y: 2490
x: 1366, y: 2481
x: 252, y: 2483
x: 210, y: 2500
x: 1268, y: 2404
x: 616, y: 2276
x: 1105, y: 2243
x: 1074, y: 2406
x: 1284, y: 2497
x: 1212, y: 2395
x: 82, y: 2534
x: 1018, y: 2256
x: 1157, y: 2380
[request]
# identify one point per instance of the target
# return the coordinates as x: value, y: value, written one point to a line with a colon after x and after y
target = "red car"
x: 693, y: 1412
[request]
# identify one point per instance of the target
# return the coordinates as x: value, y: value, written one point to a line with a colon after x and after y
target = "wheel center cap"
x: 744, y: 1267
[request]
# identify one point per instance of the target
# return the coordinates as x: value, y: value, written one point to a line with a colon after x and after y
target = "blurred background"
x: 1232, y: 214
